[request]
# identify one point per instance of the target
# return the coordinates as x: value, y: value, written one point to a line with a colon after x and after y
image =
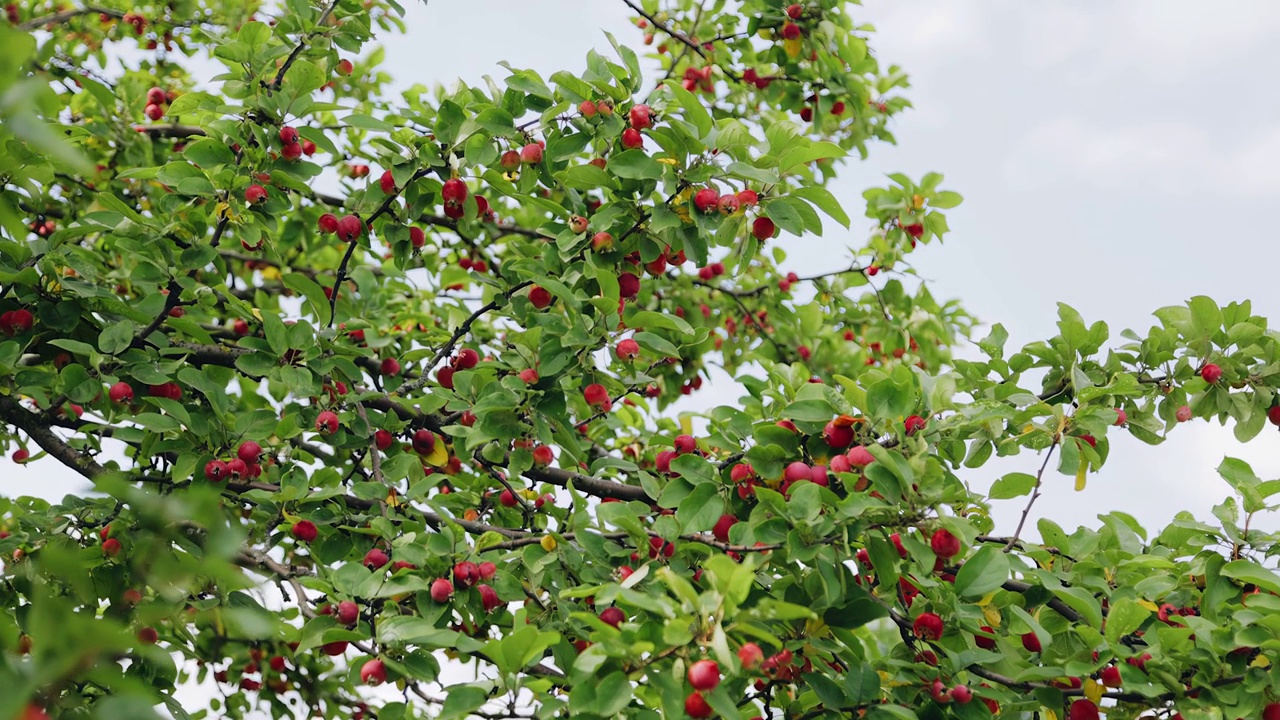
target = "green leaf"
x: 116, y: 337
x: 366, y: 122
x: 694, y: 112
x: 807, y: 153
x: 461, y: 700
x: 208, y: 153
x: 945, y: 199
x: 635, y: 165
x: 825, y: 201
x: 784, y: 215
x: 1012, y: 485
x: 314, y: 294
x: 1206, y: 318
x: 812, y: 410
x: 1125, y: 616
x: 1247, y: 571
x: 254, y: 34
x: 984, y: 571
x: 890, y: 399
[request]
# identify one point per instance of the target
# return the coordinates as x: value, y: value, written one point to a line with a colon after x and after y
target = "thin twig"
x: 1013, y: 540
x: 302, y: 44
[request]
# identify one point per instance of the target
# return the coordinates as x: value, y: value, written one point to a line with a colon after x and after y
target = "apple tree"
x: 376, y: 389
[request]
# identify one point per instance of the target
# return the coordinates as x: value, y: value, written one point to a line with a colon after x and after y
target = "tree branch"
x: 65, y: 15
x: 1013, y: 540
x: 302, y: 44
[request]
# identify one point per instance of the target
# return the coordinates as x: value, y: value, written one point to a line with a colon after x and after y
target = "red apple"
x: 627, y: 350
x: 349, y: 228
x: 347, y: 613
x: 1082, y: 709
x: 255, y: 194
x: 704, y: 675
x: 944, y: 544
x: 612, y: 616
x: 375, y: 559
x: 641, y: 117
x: 121, y: 393
x: 928, y: 626
x: 441, y: 590
x: 721, y: 529
x: 373, y: 672
x: 1031, y: 642
x: 327, y: 422
x: 1211, y: 373
x: 632, y: 139
x: 531, y: 154
x: 836, y: 436
x: 696, y: 706
x: 763, y: 228
x: 304, y: 530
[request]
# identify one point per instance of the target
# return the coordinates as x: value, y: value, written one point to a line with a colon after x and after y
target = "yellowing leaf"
x: 792, y: 47
x: 1260, y: 662
x: 986, y: 599
x: 439, y: 455
x: 1149, y: 605
x: 271, y: 273
x: 1093, y: 690
x: 1080, y: 476
x: 992, y: 615
x: 686, y: 425
x: 548, y: 543
x: 257, y: 314
x: 668, y: 161
x: 1048, y: 714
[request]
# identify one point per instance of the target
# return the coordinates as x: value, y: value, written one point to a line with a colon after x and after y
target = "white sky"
x: 1117, y: 157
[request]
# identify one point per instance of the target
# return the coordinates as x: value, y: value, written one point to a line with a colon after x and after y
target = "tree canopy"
x: 376, y: 390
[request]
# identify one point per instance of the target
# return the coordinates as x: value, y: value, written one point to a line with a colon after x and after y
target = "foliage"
x: 425, y: 420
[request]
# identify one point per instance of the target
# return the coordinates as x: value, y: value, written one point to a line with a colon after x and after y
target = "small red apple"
x: 121, y: 393
x: 763, y: 228
x: 944, y: 544
x: 373, y: 672
x: 375, y: 559
x: 928, y: 626
x: 750, y: 655
x: 304, y: 530
x: 347, y: 613
x: 327, y: 422
x: 696, y: 706
x: 704, y: 675
x: 255, y: 194
x: 1211, y: 373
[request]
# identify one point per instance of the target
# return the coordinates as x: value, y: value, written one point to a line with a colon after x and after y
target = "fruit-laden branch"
x: 905, y: 625
x: 351, y: 246
x: 752, y: 292
x: 12, y: 412
x: 680, y: 37
x: 61, y: 17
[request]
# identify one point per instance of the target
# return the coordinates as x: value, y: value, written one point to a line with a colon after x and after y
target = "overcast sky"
x: 1115, y: 156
